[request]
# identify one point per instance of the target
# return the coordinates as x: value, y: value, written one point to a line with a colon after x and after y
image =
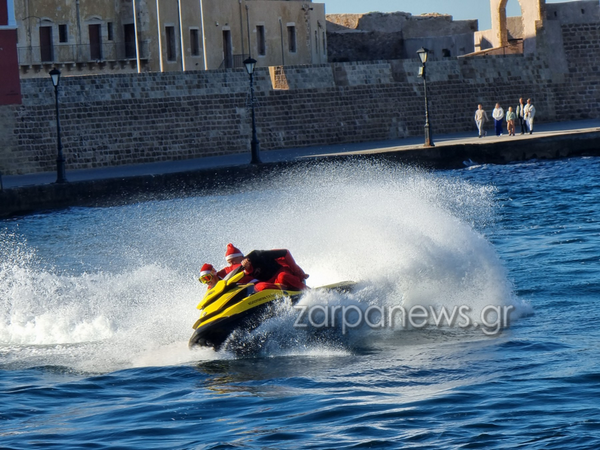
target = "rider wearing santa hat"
x: 234, y: 258
x: 208, y: 276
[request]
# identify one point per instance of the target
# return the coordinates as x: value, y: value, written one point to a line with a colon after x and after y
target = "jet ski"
x: 230, y: 305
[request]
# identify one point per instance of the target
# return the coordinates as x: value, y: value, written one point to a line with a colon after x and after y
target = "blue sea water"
x: 98, y: 304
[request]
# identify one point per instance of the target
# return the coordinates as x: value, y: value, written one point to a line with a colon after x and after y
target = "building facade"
x: 87, y: 36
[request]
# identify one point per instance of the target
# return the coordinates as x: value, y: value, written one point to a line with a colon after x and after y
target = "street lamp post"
x: 423, y: 54
x: 250, y: 63
x: 60, y: 160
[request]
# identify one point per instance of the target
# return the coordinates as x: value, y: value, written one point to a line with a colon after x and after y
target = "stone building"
x: 129, y: 118
x: 520, y: 34
x: 87, y: 36
x: 380, y: 36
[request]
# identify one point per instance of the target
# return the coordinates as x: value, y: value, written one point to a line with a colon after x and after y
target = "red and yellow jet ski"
x: 229, y: 306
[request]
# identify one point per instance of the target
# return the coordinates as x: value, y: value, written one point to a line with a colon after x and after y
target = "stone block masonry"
x: 110, y: 120
x: 579, y: 94
x: 128, y: 119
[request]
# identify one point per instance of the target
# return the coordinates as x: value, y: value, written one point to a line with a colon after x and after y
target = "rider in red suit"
x: 274, y: 269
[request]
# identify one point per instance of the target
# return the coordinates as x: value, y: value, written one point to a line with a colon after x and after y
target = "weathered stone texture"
x: 578, y: 96
x: 386, y: 36
x: 129, y: 118
x: 365, y: 46
x: 308, y: 77
x: 10, y: 157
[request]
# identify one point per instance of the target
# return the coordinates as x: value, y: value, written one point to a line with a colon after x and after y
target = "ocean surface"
x: 97, y: 306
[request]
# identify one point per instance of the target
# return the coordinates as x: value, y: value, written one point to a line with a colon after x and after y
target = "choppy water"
x: 98, y: 303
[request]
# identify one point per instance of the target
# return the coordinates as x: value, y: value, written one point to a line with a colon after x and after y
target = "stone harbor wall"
x: 110, y: 120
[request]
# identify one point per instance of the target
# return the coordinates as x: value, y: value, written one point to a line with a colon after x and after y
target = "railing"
x: 514, y: 47
x: 236, y: 61
x: 81, y: 53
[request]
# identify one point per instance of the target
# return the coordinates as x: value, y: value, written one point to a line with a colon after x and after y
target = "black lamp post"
x: 60, y: 160
x: 250, y: 63
x: 423, y: 54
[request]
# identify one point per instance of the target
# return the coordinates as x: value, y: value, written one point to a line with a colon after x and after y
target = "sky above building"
x: 459, y: 9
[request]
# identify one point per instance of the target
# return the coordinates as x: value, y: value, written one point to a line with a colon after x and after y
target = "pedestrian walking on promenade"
x: 529, y: 114
x: 481, y: 118
x: 510, y: 121
x: 498, y: 115
x: 521, y: 115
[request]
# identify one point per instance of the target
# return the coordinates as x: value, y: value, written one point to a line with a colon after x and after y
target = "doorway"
x: 95, y: 42
x: 46, y: 47
x: 129, y: 34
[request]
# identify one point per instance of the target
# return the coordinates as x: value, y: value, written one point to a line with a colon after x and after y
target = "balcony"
x: 82, y: 55
x: 234, y: 62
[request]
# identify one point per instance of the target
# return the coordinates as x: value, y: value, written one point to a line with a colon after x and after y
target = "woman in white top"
x: 498, y: 115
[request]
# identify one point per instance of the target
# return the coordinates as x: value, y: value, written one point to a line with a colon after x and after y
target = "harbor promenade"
x: 32, y: 192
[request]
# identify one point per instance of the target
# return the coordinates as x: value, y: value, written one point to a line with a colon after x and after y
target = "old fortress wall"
x: 109, y: 120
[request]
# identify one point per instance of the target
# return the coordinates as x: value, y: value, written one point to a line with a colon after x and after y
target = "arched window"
x: 531, y: 13
x: 514, y: 20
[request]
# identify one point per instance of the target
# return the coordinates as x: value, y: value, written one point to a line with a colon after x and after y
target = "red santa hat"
x: 232, y: 252
x: 206, y: 269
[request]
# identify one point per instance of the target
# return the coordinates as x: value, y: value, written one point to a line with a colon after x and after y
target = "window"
x: 194, y: 42
x: 260, y: 40
x: 110, y: 31
x: 324, y: 44
x: 292, y: 38
x: 63, y: 36
x: 171, y: 50
x: 227, y: 49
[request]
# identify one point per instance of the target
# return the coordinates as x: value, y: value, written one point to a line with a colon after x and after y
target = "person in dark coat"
x: 274, y: 269
x: 520, y: 111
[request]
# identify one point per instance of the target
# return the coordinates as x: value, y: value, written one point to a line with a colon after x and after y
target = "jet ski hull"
x: 229, y: 307
x: 215, y: 332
